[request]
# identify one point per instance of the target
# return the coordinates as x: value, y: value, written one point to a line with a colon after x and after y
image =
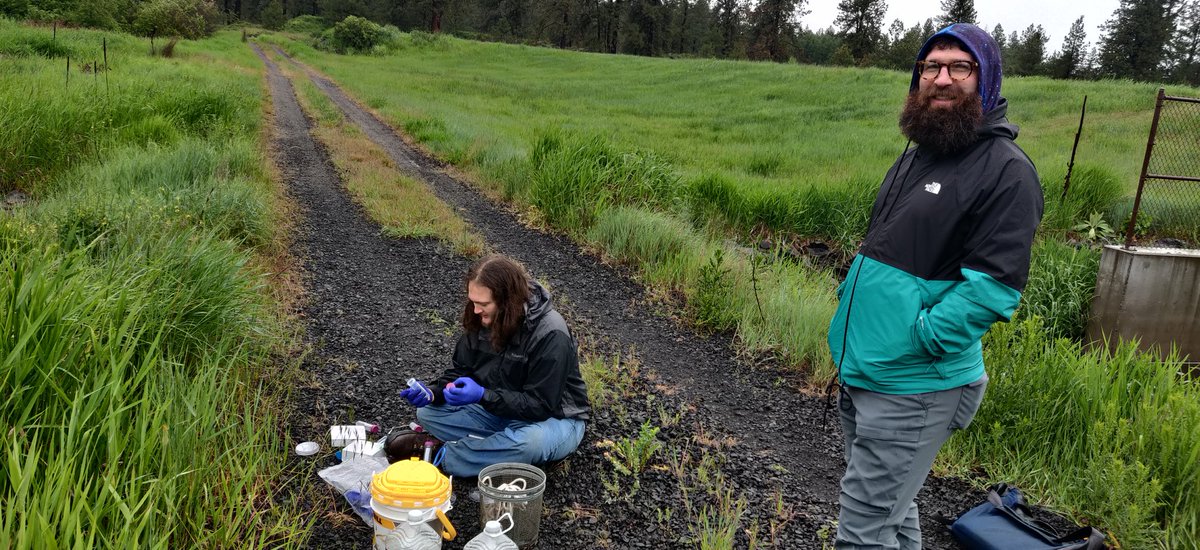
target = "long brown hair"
x: 509, y: 284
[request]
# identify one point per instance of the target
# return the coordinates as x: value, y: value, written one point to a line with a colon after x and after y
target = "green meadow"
x: 756, y: 141
x: 143, y: 361
x: 667, y: 164
x: 142, y: 381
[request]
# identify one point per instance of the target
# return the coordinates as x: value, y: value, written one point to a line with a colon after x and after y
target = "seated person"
x: 514, y: 392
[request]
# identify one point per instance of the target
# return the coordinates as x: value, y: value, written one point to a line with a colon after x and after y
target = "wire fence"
x: 1168, y: 195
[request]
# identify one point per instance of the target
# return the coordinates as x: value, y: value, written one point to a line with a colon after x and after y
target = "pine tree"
x: 271, y: 15
x: 1135, y: 40
x: 701, y: 35
x: 643, y: 28
x: 1185, y: 48
x: 818, y: 47
x: 678, y: 12
x: 772, y: 29
x: 1027, y: 58
x: 927, y: 29
x: 1066, y: 62
x: 861, y: 23
x: 887, y: 44
x: 1089, y: 68
x: 957, y: 11
x: 729, y: 20
x: 998, y: 36
x: 903, y: 45
x: 1009, y: 52
x: 842, y: 56
x: 554, y: 22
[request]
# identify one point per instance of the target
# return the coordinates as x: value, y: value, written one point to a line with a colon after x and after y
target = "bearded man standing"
x: 946, y: 255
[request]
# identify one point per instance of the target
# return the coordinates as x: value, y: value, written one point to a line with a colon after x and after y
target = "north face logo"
x: 933, y: 187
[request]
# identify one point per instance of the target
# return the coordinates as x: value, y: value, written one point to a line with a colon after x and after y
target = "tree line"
x: 1145, y: 40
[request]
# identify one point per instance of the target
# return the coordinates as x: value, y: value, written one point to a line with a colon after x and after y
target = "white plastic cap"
x: 493, y: 528
x: 308, y: 448
x: 415, y: 517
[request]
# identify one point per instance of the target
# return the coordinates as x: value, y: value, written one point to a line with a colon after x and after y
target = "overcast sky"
x: 1055, y: 16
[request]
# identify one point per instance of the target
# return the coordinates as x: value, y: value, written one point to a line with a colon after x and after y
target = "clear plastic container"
x: 515, y: 489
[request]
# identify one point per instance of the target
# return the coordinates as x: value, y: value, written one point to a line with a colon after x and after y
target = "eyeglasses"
x: 959, y: 70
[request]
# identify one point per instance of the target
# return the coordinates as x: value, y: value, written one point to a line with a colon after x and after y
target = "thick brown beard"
x: 942, y: 131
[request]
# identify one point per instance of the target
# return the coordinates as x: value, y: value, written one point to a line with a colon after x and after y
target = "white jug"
x: 493, y: 537
x: 414, y: 534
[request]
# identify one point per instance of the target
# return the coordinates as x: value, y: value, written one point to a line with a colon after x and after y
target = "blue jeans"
x: 475, y: 439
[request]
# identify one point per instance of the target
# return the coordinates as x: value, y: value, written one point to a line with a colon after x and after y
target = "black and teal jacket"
x: 945, y: 256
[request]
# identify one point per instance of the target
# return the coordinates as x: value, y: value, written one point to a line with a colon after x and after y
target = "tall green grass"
x: 572, y: 179
x: 140, y: 406
x: 53, y: 123
x: 1113, y: 435
x: 1092, y: 190
x: 772, y: 306
x: 1062, y: 280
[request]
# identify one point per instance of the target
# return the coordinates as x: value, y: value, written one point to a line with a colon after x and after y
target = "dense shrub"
x: 185, y: 18
x: 14, y: 8
x: 355, y: 34
x: 99, y: 14
x: 306, y: 24
x: 422, y: 38
x: 272, y: 16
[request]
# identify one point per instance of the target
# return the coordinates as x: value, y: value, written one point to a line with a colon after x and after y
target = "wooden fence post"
x: 106, y: 90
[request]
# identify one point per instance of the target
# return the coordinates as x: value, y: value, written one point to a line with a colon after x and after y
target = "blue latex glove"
x: 463, y: 391
x: 418, y: 397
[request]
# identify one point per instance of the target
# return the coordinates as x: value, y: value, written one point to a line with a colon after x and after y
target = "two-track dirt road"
x: 380, y: 310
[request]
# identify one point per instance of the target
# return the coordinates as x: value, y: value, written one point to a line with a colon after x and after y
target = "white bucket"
x: 410, y: 499
x: 414, y: 532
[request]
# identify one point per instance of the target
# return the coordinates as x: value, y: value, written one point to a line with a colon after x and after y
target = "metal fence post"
x: 1137, y: 201
x: 1071, y: 163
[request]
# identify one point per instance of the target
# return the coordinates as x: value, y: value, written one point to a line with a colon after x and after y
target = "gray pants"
x: 891, y: 441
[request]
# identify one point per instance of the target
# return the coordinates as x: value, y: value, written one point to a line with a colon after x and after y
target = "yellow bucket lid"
x: 411, y: 483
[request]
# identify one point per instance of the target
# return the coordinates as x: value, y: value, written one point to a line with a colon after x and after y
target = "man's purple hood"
x: 983, y: 48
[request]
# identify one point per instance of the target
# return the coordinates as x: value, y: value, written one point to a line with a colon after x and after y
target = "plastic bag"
x: 353, y: 480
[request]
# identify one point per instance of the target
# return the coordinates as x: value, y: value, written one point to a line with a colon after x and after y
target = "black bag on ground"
x: 403, y: 444
x: 1005, y: 522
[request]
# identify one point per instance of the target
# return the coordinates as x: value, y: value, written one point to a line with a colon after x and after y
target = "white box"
x: 361, y: 448
x: 340, y: 436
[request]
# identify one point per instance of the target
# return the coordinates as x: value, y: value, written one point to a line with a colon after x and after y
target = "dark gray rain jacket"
x: 535, y: 377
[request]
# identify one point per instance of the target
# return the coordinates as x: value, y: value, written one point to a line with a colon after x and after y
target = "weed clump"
x: 713, y: 303
x: 573, y: 178
x: 1062, y: 279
